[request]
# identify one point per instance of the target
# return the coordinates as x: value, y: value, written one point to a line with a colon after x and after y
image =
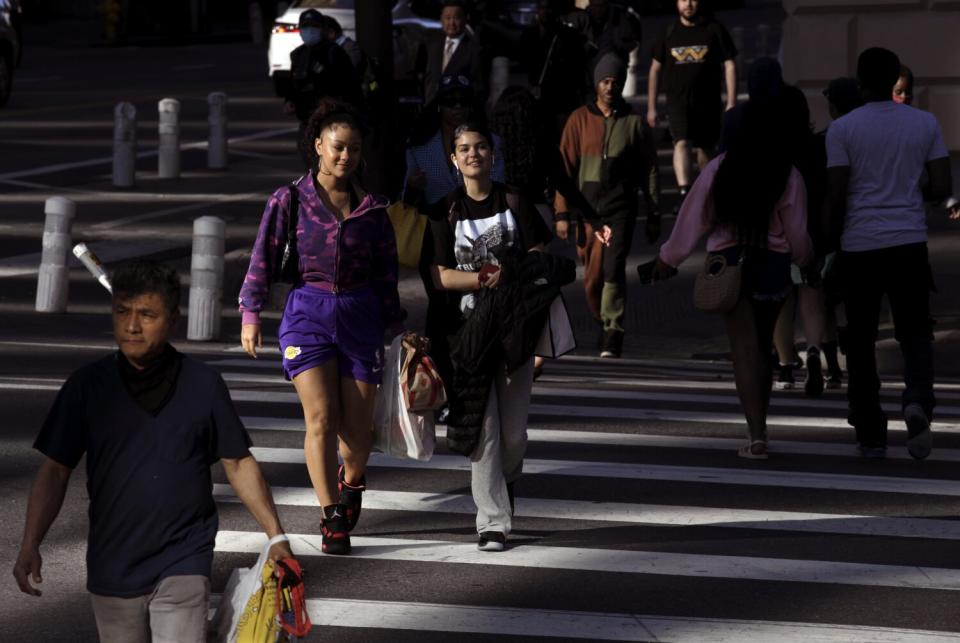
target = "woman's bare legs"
x: 750, y: 330
x: 356, y: 427
x: 319, y: 392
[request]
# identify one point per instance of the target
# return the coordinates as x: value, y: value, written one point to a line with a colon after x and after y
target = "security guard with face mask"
x: 319, y: 68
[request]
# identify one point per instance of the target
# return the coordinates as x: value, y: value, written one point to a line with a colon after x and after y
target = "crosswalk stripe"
x: 709, y: 475
x: 681, y: 371
x: 647, y: 514
x: 600, y: 438
x: 620, y: 413
x: 595, y: 626
x: 616, y: 561
x: 706, y: 417
x: 540, y: 391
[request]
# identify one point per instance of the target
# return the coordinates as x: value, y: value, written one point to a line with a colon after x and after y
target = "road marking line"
x: 664, y: 414
x: 136, y: 218
x: 617, y: 561
x: 198, y: 145
x: 540, y: 391
x: 107, y: 251
x: 669, y: 473
x: 603, y: 438
x: 502, y: 622
x: 646, y: 514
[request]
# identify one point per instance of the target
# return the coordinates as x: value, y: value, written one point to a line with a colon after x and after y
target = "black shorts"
x: 696, y: 121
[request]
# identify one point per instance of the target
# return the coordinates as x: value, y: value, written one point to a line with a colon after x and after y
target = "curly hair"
x: 328, y: 112
x: 515, y: 121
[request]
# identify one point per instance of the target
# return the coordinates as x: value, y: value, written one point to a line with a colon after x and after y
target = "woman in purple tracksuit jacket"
x: 334, y: 320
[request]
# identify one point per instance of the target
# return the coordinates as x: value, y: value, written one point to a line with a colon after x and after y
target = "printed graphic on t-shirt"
x: 481, y: 241
x: 687, y: 55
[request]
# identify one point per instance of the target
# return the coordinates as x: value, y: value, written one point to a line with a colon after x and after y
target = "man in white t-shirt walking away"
x: 876, y: 158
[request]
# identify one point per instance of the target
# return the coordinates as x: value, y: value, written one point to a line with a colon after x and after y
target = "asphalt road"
x: 636, y: 521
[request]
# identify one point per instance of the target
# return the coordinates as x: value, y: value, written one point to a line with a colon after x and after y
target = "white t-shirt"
x: 886, y: 147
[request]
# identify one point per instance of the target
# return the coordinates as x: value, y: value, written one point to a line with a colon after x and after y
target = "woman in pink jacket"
x: 752, y: 203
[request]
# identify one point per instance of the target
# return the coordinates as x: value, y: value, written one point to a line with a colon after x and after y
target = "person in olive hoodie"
x: 609, y: 154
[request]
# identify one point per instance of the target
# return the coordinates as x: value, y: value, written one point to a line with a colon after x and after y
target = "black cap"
x: 310, y: 18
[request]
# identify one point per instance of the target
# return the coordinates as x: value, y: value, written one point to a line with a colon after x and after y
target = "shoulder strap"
x: 293, y: 212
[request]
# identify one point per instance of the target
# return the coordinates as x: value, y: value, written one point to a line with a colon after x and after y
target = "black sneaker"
x: 785, y: 379
x: 919, y: 437
x: 814, y: 384
x: 492, y: 541
x: 612, y: 344
x: 351, y: 497
x: 333, y: 529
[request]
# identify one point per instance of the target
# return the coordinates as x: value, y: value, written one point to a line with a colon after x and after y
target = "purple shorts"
x: 318, y: 325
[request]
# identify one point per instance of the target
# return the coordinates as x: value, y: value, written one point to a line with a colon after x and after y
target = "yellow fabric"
x: 408, y: 226
x: 259, y: 622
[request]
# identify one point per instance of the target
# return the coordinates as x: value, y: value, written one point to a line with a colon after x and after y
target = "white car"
x: 409, y: 28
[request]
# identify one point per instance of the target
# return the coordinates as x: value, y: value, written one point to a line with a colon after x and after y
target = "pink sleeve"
x: 694, y: 219
x: 792, y: 211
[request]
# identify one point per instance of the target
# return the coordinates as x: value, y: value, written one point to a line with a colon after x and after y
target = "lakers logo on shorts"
x: 291, y: 352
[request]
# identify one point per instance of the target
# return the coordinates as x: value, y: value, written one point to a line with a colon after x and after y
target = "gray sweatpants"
x: 498, y: 456
x: 176, y: 612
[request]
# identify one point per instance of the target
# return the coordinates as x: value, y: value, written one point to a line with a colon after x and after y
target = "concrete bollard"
x: 632, y: 85
x: 52, y: 282
x: 499, y: 78
x: 217, y: 141
x: 206, y: 279
x: 168, y: 165
x: 124, y: 145
x: 256, y: 23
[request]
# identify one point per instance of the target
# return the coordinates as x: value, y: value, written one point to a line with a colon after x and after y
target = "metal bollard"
x: 124, y: 145
x: 206, y: 279
x: 168, y: 165
x: 52, y: 282
x: 632, y: 85
x: 499, y: 78
x: 256, y: 23
x: 217, y: 142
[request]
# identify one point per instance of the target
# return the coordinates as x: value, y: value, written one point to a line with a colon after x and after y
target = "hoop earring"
x: 320, y: 169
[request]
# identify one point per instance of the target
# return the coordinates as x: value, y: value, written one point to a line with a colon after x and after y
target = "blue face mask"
x: 311, y: 35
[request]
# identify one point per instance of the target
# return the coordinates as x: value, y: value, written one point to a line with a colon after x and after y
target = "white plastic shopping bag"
x: 557, y: 337
x: 243, y: 583
x: 398, y: 432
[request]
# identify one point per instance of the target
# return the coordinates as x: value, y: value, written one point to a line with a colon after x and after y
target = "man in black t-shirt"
x: 150, y: 422
x: 696, y: 56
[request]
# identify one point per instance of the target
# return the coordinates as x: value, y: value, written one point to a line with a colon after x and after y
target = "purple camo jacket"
x: 335, y: 255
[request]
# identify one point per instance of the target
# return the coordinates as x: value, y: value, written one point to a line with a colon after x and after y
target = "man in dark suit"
x: 454, y: 53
